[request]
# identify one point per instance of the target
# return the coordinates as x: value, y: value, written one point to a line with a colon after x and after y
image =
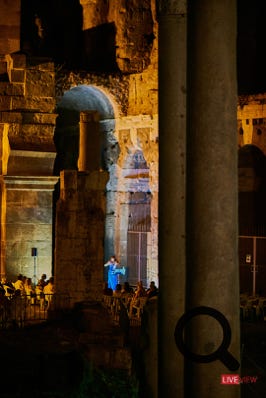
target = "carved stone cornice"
x: 171, y: 7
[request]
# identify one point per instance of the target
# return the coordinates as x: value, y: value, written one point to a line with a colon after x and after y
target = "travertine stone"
x: 171, y: 7
x: 19, y: 60
x: 5, y: 103
x: 79, y: 258
x: 10, y: 26
x: 3, y: 66
x: 7, y: 88
x: 39, y: 83
x: 33, y: 163
x: 17, y: 76
x: 38, y: 104
x: 212, y: 188
x: 90, y: 141
x: 28, y: 223
x: 39, y: 118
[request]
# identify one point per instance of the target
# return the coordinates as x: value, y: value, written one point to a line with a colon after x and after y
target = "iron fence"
x: 20, y: 311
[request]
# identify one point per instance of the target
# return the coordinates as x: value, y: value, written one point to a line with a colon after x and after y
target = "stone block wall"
x: 27, y: 221
x: 9, y: 26
x: 80, y: 218
x: 251, y: 117
x: 27, y: 102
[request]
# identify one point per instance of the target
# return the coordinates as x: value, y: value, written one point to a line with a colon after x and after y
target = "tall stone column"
x: 172, y: 18
x: 212, y: 191
x: 89, y: 141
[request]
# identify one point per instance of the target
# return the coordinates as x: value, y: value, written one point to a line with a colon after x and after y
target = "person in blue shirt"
x: 113, y: 266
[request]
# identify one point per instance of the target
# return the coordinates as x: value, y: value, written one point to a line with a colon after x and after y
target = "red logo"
x: 230, y: 379
x: 236, y: 379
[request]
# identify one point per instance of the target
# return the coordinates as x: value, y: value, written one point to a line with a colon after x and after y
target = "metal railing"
x: 20, y: 311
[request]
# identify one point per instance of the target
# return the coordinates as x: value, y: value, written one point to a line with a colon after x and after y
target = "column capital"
x: 171, y: 7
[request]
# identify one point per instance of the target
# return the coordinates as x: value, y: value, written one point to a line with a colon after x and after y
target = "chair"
x: 138, y: 306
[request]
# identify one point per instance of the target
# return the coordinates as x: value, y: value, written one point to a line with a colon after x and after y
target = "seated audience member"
x: 39, y: 295
x: 152, y: 291
x: 126, y: 288
x: 48, y: 291
x: 140, y: 291
x: 42, y: 282
x: 29, y: 290
x: 117, y: 291
x: 8, y: 287
x: 107, y: 291
x: 126, y: 294
x: 19, y: 285
x: 135, y: 301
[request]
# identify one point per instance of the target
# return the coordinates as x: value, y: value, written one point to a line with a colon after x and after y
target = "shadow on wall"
x: 54, y: 29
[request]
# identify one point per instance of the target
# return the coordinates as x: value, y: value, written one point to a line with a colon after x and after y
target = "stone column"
x: 80, y: 219
x: 212, y: 191
x: 172, y: 173
x: 89, y: 141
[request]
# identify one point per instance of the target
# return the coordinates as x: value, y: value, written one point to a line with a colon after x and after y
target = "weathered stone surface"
x: 11, y: 117
x: 133, y: 26
x: 17, y: 76
x: 31, y: 137
x: 36, y: 103
x: 39, y: 83
x: 5, y: 103
x: 75, y: 255
x: 29, y: 199
x: 171, y: 7
x: 28, y: 223
x: 24, y: 163
x: 3, y: 67
x: 19, y: 60
x: 7, y: 88
x: 251, y: 115
x: 10, y: 26
x: 131, y: 90
x: 39, y: 118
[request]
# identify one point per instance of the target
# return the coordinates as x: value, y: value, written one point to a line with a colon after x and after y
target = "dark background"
x: 251, y: 46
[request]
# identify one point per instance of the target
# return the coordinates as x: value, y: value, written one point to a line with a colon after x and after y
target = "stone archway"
x: 78, y: 99
x: 122, y: 138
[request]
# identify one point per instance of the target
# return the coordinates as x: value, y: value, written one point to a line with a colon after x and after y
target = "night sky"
x: 251, y: 46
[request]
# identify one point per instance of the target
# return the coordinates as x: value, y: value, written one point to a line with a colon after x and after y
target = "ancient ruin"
x: 106, y: 63
x: 79, y: 145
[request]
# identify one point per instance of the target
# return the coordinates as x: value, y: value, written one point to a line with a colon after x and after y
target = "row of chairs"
x: 134, y: 309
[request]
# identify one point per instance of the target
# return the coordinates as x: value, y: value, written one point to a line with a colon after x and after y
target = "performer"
x: 113, y: 271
